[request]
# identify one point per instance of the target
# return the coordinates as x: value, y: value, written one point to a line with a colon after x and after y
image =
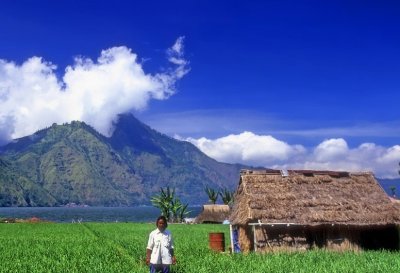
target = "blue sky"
x: 283, y: 84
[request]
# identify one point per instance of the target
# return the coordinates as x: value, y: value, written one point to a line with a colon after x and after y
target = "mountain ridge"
x: 73, y: 163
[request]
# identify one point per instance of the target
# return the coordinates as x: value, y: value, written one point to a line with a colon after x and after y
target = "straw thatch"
x: 312, y: 198
x: 213, y: 214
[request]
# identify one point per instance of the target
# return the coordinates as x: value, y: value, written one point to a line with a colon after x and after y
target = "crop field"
x: 120, y: 247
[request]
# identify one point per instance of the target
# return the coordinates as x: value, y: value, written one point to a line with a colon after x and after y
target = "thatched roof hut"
x: 310, y: 200
x: 213, y: 214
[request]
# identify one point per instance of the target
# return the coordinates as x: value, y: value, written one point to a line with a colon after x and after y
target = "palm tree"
x: 164, y: 201
x: 393, y: 189
x: 212, y: 194
x: 183, y: 212
x: 226, y: 195
x: 170, y: 206
x: 176, y: 206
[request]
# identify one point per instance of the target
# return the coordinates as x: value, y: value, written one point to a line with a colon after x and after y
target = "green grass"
x: 120, y: 247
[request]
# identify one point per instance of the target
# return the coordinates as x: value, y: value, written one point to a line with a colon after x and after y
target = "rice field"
x: 120, y: 247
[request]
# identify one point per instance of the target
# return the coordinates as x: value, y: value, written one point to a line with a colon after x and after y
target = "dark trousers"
x: 162, y: 268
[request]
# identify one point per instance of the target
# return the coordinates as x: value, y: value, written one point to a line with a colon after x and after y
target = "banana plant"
x: 183, y: 212
x: 176, y: 206
x: 163, y: 201
x: 212, y: 194
x: 226, y: 196
x: 170, y: 206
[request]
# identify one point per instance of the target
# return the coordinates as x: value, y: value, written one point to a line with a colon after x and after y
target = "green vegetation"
x: 393, y: 190
x: 170, y: 206
x: 226, y: 195
x: 72, y: 163
x: 212, y: 194
x: 120, y: 247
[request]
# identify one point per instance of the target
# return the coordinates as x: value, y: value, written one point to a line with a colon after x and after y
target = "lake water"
x: 89, y: 214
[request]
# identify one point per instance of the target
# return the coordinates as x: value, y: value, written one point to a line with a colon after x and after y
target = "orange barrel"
x: 217, y: 241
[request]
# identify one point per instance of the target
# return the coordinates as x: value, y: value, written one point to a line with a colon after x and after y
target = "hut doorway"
x: 386, y: 237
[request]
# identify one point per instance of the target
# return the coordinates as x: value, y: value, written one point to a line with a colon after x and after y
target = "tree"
x: 393, y: 190
x: 170, y: 206
x: 176, y: 206
x: 212, y: 194
x: 226, y: 195
x: 163, y: 201
x: 178, y: 210
x: 183, y: 212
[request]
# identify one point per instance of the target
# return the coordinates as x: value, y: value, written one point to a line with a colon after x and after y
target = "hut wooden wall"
x: 281, y: 238
x: 330, y: 237
x: 246, y: 238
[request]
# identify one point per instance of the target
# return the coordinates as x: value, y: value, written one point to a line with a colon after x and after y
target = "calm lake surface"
x: 90, y: 214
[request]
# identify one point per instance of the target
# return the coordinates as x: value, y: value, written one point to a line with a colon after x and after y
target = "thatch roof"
x: 213, y: 214
x: 311, y: 198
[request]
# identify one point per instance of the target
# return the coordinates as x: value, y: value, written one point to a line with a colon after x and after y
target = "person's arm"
x: 148, y: 254
x: 149, y: 249
x: 171, y: 251
x: 173, y: 256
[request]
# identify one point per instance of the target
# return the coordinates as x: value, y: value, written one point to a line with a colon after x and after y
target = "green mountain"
x: 72, y: 163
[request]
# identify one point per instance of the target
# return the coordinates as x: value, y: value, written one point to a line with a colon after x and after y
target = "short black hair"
x: 162, y: 217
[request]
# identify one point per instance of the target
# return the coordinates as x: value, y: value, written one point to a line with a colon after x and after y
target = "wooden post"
x: 231, y: 235
x: 255, y: 238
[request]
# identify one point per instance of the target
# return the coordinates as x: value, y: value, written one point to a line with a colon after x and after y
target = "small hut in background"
x: 304, y: 209
x: 213, y: 214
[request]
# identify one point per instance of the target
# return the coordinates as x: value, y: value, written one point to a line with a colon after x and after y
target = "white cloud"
x: 248, y: 148
x: 330, y: 150
x: 175, y: 56
x: 391, y: 154
x: 331, y: 154
x: 31, y: 96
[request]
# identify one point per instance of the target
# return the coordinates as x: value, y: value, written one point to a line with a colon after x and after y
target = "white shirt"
x: 160, y: 244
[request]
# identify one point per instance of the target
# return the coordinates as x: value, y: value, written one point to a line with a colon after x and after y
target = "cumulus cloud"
x: 331, y: 154
x: 331, y: 149
x: 248, y: 148
x: 32, y: 97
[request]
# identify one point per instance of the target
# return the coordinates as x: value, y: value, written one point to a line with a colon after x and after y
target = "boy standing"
x: 160, y: 248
